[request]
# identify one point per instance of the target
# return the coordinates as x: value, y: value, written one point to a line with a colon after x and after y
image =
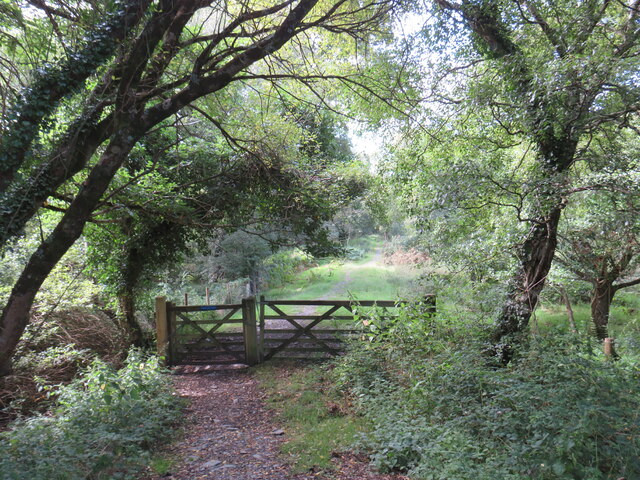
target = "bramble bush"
x: 102, y: 428
x: 440, y: 409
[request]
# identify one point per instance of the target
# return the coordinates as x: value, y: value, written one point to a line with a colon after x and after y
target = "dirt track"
x: 231, y: 435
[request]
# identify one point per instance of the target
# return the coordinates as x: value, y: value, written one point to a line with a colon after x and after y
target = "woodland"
x: 157, y: 147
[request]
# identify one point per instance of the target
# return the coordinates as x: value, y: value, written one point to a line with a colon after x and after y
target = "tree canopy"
x: 163, y: 119
x: 105, y: 78
x: 519, y: 93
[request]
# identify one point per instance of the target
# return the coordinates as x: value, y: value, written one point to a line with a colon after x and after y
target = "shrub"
x: 352, y: 253
x: 560, y: 411
x: 282, y: 267
x: 103, y: 424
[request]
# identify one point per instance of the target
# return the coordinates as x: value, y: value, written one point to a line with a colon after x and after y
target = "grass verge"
x: 318, y: 421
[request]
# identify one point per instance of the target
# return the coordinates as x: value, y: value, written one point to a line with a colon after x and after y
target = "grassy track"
x: 318, y: 419
x: 367, y: 278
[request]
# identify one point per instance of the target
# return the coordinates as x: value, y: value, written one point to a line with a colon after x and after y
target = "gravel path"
x: 230, y: 434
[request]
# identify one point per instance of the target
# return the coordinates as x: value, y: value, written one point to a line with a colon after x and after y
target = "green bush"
x: 102, y: 427
x: 282, y: 267
x: 353, y: 253
x: 560, y: 411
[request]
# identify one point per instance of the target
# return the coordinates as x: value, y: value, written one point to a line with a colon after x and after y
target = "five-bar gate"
x: 206, y: 334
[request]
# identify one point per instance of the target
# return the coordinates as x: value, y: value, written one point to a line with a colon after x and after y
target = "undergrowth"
x: 52, y: 351
x: 103, y: 425
x: 440, y: 409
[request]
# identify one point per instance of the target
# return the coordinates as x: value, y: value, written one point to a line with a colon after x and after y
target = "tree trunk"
x: 132, y: 269
x: 601, y: 298
x: 15, y: 315
x: 67, y: 161
x: 127, y: 304
x: 538, y: 249
x: 537, y: 254
x: 254, y: 279
x: 567, y: 304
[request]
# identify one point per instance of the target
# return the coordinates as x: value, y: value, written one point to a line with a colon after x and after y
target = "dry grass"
x: 52, y: 352
x: 92, y: 330
x: 412, y: 257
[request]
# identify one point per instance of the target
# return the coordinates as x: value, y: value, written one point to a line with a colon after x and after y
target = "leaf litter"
x: 230, y: 434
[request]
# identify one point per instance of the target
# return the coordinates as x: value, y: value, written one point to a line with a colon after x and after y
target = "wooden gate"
x: 207, y: 334
x: 226, y: 334
x: 317, y: 328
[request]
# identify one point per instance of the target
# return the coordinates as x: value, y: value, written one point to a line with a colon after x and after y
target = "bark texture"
x: 537, y: 256
x: 601, y: 298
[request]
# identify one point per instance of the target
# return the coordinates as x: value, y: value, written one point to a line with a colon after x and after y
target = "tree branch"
x: 628, y: 284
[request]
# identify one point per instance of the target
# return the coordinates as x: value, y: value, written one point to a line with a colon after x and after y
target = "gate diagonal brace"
x: 218, y: 324
x: 307, y: 332
x: 211, y: 331
x: 301, y: 330
x: 206, y: 334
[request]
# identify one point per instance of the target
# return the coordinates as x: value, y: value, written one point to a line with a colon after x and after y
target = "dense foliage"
x: 526, y: 104
x: 440, y: 408
x: 104, y: 424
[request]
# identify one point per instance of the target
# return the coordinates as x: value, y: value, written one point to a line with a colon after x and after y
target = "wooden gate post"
x: 250, y: 330
x: 162, y: 327
x: 172, y: 344
x: 261, y: 323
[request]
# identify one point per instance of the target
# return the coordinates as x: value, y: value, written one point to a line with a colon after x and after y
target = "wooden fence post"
x: 609, y: 347
x: 250, y: 330
x: 430, y: 302
x: 162, y: 330
x: 172, y: 344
